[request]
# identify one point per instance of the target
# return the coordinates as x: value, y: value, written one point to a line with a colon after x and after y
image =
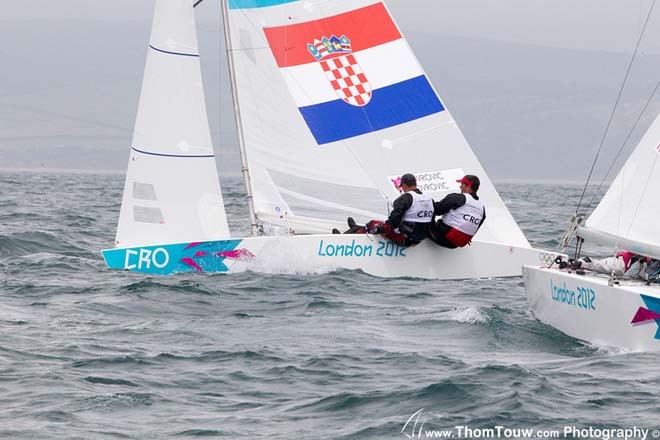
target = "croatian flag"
x: 351, y: 74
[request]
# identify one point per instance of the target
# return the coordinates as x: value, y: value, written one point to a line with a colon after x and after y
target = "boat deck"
x: 633, y: 284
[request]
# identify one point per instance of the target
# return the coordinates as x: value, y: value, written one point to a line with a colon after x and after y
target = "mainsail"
x: 172, y: 193
x: 628, y: 214
x: 333, y: 108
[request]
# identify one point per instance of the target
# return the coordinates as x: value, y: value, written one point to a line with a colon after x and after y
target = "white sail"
x: 333, y: 108
x: 172, y: 192
x: 628, y: 213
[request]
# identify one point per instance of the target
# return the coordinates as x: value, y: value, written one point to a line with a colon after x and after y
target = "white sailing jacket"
x: 466, y: 218
x: 421, y: 210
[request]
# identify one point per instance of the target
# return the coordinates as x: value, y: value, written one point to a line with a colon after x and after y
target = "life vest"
x: 464, y: 221
x: 421, y: 210
x: 627, y: 258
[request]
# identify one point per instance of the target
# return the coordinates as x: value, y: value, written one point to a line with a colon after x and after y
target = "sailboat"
x: 332, y: 107
x: 610, y: 309
x: 602, y: 309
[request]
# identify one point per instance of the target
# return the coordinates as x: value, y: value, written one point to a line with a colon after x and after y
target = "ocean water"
x: 88, y: 353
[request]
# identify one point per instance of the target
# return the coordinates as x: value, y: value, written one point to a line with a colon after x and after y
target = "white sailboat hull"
x: 323, y: 253
x: 586, y: 307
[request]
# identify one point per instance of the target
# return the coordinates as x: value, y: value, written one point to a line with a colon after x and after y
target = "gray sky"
x: 591, y: 24
x: 530, y: 82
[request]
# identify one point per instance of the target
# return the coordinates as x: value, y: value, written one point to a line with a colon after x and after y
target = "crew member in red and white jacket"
x: 462, y: 215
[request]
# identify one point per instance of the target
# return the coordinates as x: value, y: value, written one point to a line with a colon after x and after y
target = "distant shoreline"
x: 48, y: 170
x: 232, y: 174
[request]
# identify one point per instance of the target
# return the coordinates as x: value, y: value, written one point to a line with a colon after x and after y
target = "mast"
x: 254, y: 227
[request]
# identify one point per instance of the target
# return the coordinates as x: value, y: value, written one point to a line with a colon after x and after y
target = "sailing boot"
x: 353, y: 228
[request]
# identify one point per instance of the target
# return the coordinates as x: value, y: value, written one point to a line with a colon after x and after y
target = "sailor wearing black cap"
x: 462, y: 215
x: 408, y: 223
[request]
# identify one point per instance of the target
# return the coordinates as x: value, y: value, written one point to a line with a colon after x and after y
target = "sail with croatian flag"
x: 332, y: 108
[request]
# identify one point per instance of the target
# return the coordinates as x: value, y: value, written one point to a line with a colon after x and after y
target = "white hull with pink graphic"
x: 311, y: 254
x: 587, y: 307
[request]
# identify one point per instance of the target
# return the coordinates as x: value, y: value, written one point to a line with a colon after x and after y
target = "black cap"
x: 408, y: 179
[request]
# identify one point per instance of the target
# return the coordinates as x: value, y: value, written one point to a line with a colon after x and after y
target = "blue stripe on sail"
x: 389, y: 106
x: 174, y: 53
x: 244, y: 4
x: 171, y: 155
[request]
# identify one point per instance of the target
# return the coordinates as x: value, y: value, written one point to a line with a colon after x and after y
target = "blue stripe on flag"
x: 392, y: 105
x: 244, y: 4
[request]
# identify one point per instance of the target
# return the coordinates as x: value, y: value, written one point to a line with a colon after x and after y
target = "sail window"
x: 145, y: 214
x: 309, y: 197
x: 144, y: 191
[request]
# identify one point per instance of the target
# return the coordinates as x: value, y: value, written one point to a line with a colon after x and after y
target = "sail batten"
x: 154, y: 153
x: 174, y: 53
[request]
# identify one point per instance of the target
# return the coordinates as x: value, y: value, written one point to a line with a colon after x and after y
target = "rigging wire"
x: 616, y: 104
x: 632, y: 129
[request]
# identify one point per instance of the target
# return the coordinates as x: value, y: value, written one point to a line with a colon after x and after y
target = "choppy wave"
x: 470, y: 315
x: 90, y: 353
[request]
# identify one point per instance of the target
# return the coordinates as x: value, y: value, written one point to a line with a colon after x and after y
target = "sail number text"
x: 145, y: 258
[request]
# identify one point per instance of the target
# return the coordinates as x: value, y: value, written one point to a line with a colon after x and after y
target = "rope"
x: 616, y: 104
x: 578, y: 247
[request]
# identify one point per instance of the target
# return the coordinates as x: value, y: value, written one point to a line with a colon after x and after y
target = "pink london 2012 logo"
x: 346, y: 77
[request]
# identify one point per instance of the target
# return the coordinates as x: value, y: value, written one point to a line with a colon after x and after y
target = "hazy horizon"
x: 531, y: 108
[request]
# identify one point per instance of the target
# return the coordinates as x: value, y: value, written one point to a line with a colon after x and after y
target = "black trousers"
x: 437, y: 232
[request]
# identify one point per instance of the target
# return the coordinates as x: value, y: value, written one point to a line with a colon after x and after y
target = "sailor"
x: 462, y: 215
x: 408, y: 223
x: 623, y: 263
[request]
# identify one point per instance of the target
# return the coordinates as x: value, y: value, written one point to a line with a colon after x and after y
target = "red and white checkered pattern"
x: 348, y: 80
